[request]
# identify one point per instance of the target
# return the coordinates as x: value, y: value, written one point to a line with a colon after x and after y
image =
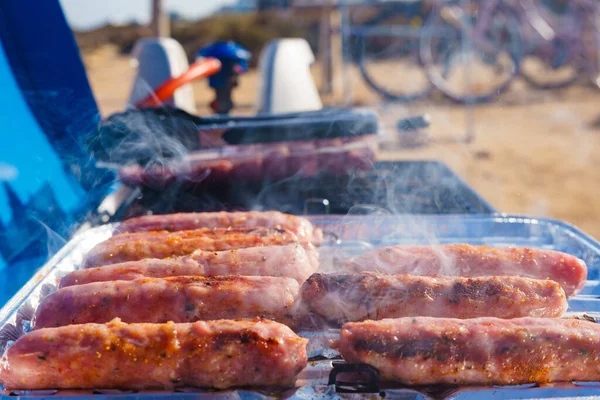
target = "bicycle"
x: 482, y: 50
x: 563, y: 48
x: 387, y: 42
x: 404, y: 45
x: 562, y: 42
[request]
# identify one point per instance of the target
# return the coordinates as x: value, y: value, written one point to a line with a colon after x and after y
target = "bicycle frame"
x: 560, y: 42
x: 475, y: 30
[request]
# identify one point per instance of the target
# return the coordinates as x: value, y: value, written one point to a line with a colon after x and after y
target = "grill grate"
x: 406, y: 187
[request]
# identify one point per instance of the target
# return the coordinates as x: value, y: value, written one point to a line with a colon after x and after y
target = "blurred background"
x: 511, y: 88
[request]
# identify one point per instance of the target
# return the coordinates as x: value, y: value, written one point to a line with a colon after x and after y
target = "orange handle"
x: 199, y: 69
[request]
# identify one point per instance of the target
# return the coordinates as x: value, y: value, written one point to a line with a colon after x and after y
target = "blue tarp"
x: 46, y: 106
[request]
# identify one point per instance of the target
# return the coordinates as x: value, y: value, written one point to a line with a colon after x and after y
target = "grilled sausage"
x: 356, y: 297
x: 217, y: 354
x: 425, y: 351
x: 162, y: 244
x: 177, y: 299
x: 300, y: 226
x: 467, y: 260
x: 292, y: 261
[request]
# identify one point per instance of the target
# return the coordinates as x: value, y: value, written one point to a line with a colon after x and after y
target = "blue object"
x: 47, y: 181
x: 234, y: 61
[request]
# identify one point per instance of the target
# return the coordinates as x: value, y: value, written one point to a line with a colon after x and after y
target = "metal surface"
x: 399, y: 187
x: 349, y: 235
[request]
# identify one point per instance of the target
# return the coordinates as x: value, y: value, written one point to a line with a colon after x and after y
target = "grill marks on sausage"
x: 217, y: 354
x: 426, y: 350
x: 477, y: 289
x: 468, y: 260
x: 361, y: 296
x: 300, y: 226
x: 178, y: 299
x: 162, y: 244
x: 290, y: 260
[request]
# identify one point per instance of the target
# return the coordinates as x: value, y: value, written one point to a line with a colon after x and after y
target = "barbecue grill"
x: 393, y: 203
x: 400, y: 187
x: 327, y: 376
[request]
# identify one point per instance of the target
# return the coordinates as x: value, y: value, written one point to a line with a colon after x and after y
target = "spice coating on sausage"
x: 356, y: 297
x: 300, y: 226
x: 292, y: 261
x: 424, y: 351
x: 468, y: 260
x: 177, y: 299
x: 163, y: 356
x: 162, y: 244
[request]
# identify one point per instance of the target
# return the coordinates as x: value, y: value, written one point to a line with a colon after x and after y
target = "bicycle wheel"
x: 541, y: 74
x: 591, y: 42
x: 549, y: 64
x: 466, y: 65
x: 388, y: 58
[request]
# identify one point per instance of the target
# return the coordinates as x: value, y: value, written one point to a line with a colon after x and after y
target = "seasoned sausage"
x: 300, y: 226
x: 162, y: 244
x: 490, y: 351
x: 356, y: 297
x: 291, y: 260
x: 116, y: 355
x: 467, y: 260
x: 177, y: 299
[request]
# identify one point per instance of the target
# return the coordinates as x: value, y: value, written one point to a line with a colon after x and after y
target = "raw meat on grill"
x: 291, y: 260
x: 163, y: 244
x: 299, y: 226
x: 467, y: 260
x: 257, y: 162
x: 361, y: 296
x: 159, y: 177
x: 218, y: 354
x: 177, y: 299
x: 356, y: 156
x: 425, y: 351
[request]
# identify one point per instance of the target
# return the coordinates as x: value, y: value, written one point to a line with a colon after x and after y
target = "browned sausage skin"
x: 425, y: 351
x: 291, y: 260
x: 356, y: 297
x: 164, y: 356
x: 468, y: 260
x: 300, y: 226
x: 162, y: 244
x: 177, y: 299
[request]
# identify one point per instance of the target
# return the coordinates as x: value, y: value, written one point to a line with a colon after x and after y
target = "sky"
x: 87, y: 14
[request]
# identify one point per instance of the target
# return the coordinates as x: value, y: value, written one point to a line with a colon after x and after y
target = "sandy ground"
x: 533, y: 152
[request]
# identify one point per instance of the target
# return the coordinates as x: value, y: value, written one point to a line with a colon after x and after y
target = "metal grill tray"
x: 348, y: 236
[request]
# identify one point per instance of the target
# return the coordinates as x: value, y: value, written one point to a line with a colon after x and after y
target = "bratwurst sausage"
x: 356, y: 297
x: 291, y: 260
x: 162, y: 244
x: 177, y: 299
x: 467, y: 260
x: 217, y: 354
x: 426, y: 351
x: 299, y: 226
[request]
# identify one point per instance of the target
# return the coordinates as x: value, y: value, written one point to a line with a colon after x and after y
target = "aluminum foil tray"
x: 348, y: 236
